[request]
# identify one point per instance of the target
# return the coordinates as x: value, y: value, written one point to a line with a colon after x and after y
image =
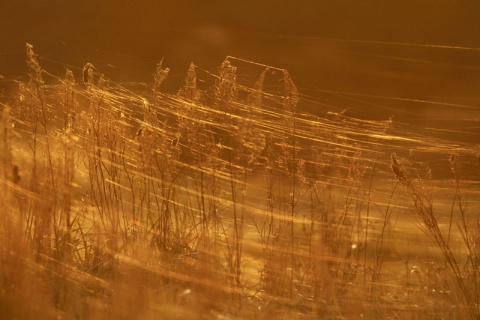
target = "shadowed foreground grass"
x: 226, y: 200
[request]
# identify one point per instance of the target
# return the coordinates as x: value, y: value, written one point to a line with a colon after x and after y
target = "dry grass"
x: 225, y: 201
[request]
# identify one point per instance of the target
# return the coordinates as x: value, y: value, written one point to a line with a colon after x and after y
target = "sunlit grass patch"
x: 226, y: 201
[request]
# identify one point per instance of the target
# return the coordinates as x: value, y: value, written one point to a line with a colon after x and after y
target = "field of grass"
x: 226, y: 200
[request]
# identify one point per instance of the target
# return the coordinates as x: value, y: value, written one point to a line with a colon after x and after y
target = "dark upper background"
x: 351, y: 46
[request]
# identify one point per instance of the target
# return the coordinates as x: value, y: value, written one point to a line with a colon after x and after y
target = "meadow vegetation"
x: 226, y: 200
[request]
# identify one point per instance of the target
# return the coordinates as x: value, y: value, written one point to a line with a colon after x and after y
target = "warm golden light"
x: 264, y: 160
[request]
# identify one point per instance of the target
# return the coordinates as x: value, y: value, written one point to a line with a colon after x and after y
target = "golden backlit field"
x: 227, y: 200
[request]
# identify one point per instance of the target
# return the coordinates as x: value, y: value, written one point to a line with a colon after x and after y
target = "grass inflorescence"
x: 226, y: 200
